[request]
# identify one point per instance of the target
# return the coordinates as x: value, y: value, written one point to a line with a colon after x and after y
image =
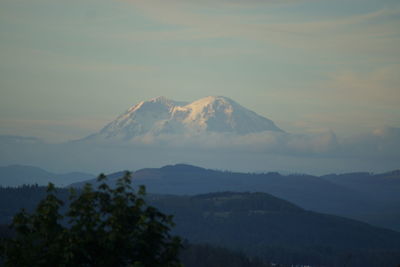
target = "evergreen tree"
x: 103, y: 227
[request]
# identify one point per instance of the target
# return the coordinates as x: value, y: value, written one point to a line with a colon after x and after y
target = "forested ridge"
x: 257, y: 224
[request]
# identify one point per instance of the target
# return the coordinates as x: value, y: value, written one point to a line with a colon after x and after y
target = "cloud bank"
x: 379, y: 142
x: 319, y: 153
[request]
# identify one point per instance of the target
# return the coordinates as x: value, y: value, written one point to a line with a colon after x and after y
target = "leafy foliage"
x: 103, y: 227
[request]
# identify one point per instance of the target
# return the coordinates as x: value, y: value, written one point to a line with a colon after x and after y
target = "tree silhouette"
x: 103, y: 227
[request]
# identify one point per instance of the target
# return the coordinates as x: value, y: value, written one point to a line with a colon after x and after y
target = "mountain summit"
x: 212, y: 114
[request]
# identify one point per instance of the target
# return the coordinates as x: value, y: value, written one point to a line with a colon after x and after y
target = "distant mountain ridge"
x: 369, y: 183
x: 315, y: 193
x: 212, y: 114
x: 17, y: 175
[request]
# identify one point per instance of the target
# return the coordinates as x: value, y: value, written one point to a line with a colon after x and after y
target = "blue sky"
x: 69, y: 67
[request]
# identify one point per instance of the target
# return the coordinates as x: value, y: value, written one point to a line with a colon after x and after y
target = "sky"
x: 69, y: 67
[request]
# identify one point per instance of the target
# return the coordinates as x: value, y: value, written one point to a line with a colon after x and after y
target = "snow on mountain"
x: 163, y: 116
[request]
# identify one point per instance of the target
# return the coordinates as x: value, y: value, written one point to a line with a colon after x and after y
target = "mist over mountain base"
x: 96, y: 158
x: 213, y: 132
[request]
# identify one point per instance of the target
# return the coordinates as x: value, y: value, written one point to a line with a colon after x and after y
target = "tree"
x: 103, y: 227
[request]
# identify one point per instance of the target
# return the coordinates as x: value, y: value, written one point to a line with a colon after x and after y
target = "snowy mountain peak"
x: 160, y: 101
x: 213, y: 99
x: 213, y: 104
x: 164, y: 116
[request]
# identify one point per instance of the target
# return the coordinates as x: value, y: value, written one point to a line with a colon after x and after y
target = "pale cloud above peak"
x: 379, y: 87
x: 375, y: 30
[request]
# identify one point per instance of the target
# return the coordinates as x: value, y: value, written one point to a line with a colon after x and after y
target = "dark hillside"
x: 257, y: 224
x: 309, y: 192
x: 261, y: 225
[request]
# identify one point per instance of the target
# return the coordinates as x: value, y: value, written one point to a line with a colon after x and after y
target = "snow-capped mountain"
x: 163, y: 116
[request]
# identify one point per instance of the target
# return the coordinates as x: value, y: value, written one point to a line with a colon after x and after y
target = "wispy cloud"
x: 382, y: 142
x: 366, y: 38
x: 185, y: 14
x: 30, y: 58
x: 313, y: 153
x: 328, y: 70
x: 380, y: 87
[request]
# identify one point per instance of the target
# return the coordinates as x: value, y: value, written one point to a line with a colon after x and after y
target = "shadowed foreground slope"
x: 265, y: 226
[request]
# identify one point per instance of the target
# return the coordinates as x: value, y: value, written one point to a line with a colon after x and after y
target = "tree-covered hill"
x: 276, y: 230
x: 260, y: 225
x: 361, y: 196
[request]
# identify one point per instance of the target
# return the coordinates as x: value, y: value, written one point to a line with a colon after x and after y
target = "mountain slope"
x: 382, y: 186
x: 17, y: 175
x: 310, y: 192
x: 258, y: 224
x: 213, y: 114
x: 268, y: 227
